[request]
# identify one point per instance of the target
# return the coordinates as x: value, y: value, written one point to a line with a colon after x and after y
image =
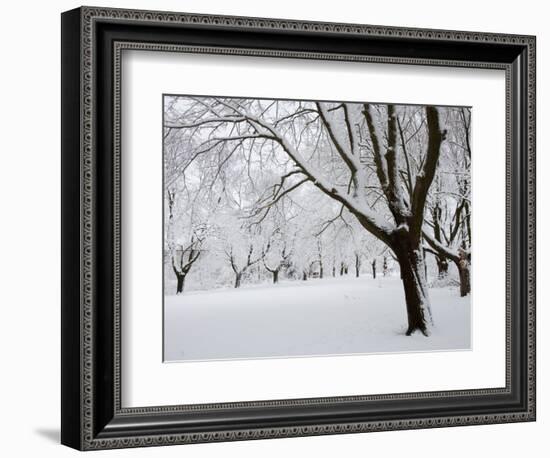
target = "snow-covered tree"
x: 184, y: 239
x: 241, y: 245
x: 450, y: 236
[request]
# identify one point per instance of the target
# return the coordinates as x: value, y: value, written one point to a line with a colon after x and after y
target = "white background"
x: 29, y: 238
x: 147, y: 76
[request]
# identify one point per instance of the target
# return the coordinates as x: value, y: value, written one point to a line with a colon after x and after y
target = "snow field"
x: 332, y: 316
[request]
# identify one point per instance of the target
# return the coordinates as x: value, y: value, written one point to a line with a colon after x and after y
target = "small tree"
x: 241, y: 268
x: 276, y: 255
x: 183, y: 240
x: 183, y: 259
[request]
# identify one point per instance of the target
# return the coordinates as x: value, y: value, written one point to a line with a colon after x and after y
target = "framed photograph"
x: 276, y: 228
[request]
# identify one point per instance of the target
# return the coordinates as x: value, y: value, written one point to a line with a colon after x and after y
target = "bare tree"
x: 450, y: 236
x: 276, y: 257
x: 183, y: 259
x: 320, y: 257
x: 241, y: 269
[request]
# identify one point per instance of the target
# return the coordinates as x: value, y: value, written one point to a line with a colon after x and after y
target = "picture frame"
x: 93, y: 416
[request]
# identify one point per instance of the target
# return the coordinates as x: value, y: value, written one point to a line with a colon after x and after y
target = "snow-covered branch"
x: 425, y: 177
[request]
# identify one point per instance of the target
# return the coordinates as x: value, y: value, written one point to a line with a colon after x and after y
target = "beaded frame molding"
x: 93, y: 40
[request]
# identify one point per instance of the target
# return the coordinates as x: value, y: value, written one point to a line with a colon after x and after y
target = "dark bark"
x: 464, y: 273
x: 425, y: 178
x: 180, y: 283
x: 417, y: 314
x: 442, y: 267
x: 441, y: 261
x: 463, y: 266
x: 188, y: 257
x: 304, y: 275
x: 343, y: 269
x: 385, y: 266
x: 374, y: 268
x: 468, y: 224
x: 274, y: 272
x: 357, y: 265
x: 238, y: 277
x: 411, y: 264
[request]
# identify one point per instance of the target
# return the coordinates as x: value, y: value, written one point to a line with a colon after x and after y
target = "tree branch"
x: 442, y: 250
x: 426, y: 175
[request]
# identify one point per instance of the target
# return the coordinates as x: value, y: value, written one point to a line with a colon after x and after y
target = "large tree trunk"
x: 180, y: 283
x: 275, y: 276
x: 464, y: 273
x: 411, y: 263
x: 463, y: 266
x: 462, y: 261
x: 238, y: 277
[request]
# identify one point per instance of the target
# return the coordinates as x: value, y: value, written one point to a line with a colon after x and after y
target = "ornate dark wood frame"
x: 92, y: 42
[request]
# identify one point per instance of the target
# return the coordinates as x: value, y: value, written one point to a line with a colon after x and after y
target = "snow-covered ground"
x: 317, y: 317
